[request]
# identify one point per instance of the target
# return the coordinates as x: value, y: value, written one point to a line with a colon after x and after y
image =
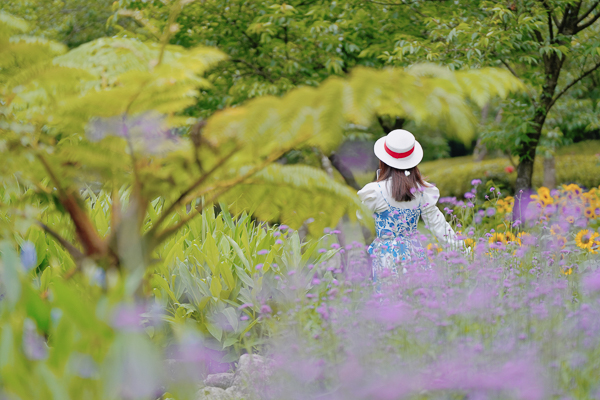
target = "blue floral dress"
x: 396, y: 245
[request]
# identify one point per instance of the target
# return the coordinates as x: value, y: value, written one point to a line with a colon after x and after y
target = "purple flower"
x: 335, y: 246
x: 278, y: 241
x: 469, y: 195
x: 148, y: 132
x: 492, y: 189
x: 265, y: 309
x: 263, y: 252
x: 490, y: 212
x: 28, y: 255
x: 128, y: 317
x: 276, y: 234
x: 34, y: 345
x: 322, y: 251
x: 283, y: 227
x: 516, y: 223
x: 259, y: 266
x: 476, y: 182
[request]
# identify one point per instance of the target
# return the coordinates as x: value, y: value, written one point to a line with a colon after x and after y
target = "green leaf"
x: 215, y: 330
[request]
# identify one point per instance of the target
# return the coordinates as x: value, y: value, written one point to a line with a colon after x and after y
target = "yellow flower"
x: 561, y: 240
x: 521, y: 236
x: 570, y: 219
x: 585, y: 239
x: 567, y: 271
x: 510, y: 237
x: 575, y: 189
x: 543, y: 197
x: 497, y: 237
x: 434, y: 246
x: 589, y: 213
x: 555, y: 229
x: 505, y: 205
x: 468, y: 241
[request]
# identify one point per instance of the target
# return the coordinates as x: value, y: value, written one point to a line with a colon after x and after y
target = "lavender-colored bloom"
x: 265, y: 309
x: 128, y: 317
x: 147, y: 132
x: 490, y: 212
x: 263, y: 252
x: 279, y: 241
x: 28, y: 255
x: 259, y: 266
x: 476, y: 182
x: 469, y: 195
x: 34, y: 345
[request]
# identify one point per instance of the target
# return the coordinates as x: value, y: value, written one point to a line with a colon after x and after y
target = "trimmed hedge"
x: 453, y: 176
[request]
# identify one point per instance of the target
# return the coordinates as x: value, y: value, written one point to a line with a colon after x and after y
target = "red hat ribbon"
x: 398, y: 155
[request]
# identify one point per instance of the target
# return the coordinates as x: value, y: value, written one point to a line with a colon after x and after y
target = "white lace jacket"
x: 377, y: 197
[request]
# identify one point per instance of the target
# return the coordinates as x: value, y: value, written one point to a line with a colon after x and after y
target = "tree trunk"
x: 549, y: 172
x: 389, y: 125
x: 480, y: 151
x: 526, y: 151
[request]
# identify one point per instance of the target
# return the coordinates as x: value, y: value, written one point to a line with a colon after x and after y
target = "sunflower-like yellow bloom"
x: 434, y: 246
x: 555, y: 229
x: 520, y: 237
x: 543, y: 197
x: 510, y: 237
x: 505, y: 205
x: 566, y: 271
x: 497, y: 237
x: 585, y: 239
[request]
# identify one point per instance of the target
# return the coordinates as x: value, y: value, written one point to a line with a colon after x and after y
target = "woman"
x: 398, y: 197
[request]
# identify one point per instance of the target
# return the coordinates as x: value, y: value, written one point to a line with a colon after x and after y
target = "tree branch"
x: 570, y: 85
x: 551, y: 17
x: 73, y: 251
x: 189, y: 190
x: 257, y: 70
x: 512, y: 71
x: 590, y: 22
x: 588, y: 12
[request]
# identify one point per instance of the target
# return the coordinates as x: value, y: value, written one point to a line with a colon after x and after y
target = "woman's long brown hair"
x: 400, y: 184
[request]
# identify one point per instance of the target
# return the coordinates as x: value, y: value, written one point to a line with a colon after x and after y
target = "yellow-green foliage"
x: 91, y: 115
x: 453, y: 176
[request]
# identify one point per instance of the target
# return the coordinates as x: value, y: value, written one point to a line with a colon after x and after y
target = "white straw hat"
x: 399, y: 149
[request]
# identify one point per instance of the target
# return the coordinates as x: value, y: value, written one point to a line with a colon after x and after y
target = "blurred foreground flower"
x: 28, y: 255
x: 148, y: 132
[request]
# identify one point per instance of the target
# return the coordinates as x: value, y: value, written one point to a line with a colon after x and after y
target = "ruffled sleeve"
x: 371, y: 196
x: 435, y: 221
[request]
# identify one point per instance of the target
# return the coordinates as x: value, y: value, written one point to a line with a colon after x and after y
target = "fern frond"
x: 292, y: 194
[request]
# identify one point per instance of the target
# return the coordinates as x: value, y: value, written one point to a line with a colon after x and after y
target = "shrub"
x: 453, y: 177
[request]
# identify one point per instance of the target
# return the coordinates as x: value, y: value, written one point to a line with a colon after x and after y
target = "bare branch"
x: 570, y: 85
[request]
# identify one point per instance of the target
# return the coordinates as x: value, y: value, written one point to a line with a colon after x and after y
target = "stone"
x: 213, y: 393
x: 252, y: 374
x: 222, y: 381
x: 235, y: 393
